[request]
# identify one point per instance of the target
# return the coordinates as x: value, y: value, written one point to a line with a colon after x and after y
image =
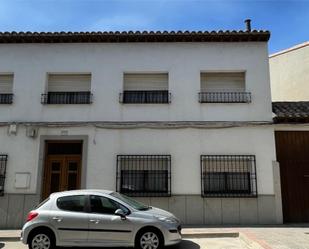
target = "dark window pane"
x: 238, y: 182
x: 72, y: 181
x: 215, y: 182
x: 73, y: 166
x: 64, y: 148
x: 55, y: 182
x: 55, y: 166
x: 72, y: 203
x: 103, y: 205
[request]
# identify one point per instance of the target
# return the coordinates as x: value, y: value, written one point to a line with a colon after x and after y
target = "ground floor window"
x: 3, y: 161
x: 228, y: 176
x: 144, y: 175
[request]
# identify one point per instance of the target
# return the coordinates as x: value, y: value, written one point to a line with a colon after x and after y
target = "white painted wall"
x: 184, y: 145
x: 289, y: 74
x: 30, y: 64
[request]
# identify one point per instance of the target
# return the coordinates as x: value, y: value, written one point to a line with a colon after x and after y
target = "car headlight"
x: 167, y: 220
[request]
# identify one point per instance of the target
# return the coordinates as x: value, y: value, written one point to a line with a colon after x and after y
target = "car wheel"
x: 149, y: 239
x: 42, y: 240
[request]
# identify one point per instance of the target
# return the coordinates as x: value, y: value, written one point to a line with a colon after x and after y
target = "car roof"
x: 82, y: 192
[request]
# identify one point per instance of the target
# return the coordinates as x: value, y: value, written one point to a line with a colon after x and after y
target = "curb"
x: 210, y: 235
x: 9, y: 239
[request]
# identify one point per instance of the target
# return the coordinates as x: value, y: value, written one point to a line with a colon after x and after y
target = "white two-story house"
x: 179, y: 120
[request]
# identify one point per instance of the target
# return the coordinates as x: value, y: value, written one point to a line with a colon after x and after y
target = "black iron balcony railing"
x: 145, y: 97
x: 6, y: 98
x: 66, y: 98
x: 224, y: 97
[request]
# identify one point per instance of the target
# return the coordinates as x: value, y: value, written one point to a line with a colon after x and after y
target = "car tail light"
x: 32, y: 215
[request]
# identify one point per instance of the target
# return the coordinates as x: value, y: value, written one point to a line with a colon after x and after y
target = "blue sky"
x: 288, y: 20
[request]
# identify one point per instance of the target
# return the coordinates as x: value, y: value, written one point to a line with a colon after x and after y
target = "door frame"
x: 42, y: 158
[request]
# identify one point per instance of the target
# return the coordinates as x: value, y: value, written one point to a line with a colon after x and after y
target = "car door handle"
x: 95, y: 221
x: 58, y: 219
x: 306, y: 175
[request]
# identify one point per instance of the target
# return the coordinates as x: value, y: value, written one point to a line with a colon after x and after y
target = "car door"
x: 71, y: 219
x: 105, y: 227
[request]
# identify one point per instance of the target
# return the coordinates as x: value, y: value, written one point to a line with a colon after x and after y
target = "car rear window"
x: 75, y: 203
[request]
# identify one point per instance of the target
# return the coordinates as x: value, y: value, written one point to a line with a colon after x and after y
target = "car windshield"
x: 131, y: 202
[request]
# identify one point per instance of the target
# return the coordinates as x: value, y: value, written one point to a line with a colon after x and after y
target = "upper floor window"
x: 3, y: 161
x: 144, y: 175
x: 224, y: 88
x: 6, y: 88
x: 68, y: 89
x: 145, y: 88
x: 228, y: 176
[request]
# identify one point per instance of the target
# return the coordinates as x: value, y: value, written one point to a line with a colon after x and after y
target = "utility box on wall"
x: 22, y: 180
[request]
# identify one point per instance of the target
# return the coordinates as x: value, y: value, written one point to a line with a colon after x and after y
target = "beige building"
x: 289, y: 73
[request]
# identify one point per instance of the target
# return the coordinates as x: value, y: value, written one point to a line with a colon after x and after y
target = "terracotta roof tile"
x: 291, y: 112
x: 135, y: 36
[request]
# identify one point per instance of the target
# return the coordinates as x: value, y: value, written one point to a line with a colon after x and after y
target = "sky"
x: 288, y: 20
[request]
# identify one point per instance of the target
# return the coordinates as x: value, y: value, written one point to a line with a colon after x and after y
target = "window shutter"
x: 146, y: 82
x: 6, y: 83
x: 69, y: 82
x: 222, y: 82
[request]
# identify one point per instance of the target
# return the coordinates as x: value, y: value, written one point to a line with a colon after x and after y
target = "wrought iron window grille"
x: 3, y: 162
x: 66, y: 98
x: 144, y: 175
x: 6, y: 98
x: 145, y: 97
x: 224, y: 97
x: 228, y: 176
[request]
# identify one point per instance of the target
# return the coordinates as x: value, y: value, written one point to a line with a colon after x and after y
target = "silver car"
x: 98, y: 218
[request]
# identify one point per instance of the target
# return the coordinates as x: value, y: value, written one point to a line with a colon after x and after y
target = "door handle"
x: 306, y: 175
x: 58, y: 219
x: 95, y: 221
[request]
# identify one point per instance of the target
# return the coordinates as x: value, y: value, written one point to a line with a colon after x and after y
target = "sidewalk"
x: 255, y: 237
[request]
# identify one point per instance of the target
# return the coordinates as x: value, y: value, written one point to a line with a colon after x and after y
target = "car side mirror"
x: 120, y: 213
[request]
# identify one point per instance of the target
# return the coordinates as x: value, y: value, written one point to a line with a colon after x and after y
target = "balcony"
x: 6, y: 98
x: 224, y: 97
x: 66, y: 98
x: 145, y: 97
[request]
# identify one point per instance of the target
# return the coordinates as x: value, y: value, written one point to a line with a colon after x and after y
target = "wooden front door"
x: 62, y: 172
x: 293, y: 155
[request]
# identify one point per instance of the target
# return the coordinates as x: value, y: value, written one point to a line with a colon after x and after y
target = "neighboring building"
x: 289, y: 74
x: 179, y: 120
x: 292, y: 146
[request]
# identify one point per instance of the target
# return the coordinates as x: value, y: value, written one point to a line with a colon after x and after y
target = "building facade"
x: 177, y: 120
x: 289, y: 71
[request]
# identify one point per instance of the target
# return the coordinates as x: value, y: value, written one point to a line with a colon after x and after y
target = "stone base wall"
x: 14, y: 209
x: 191, y: 209
x: 195, y: 210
